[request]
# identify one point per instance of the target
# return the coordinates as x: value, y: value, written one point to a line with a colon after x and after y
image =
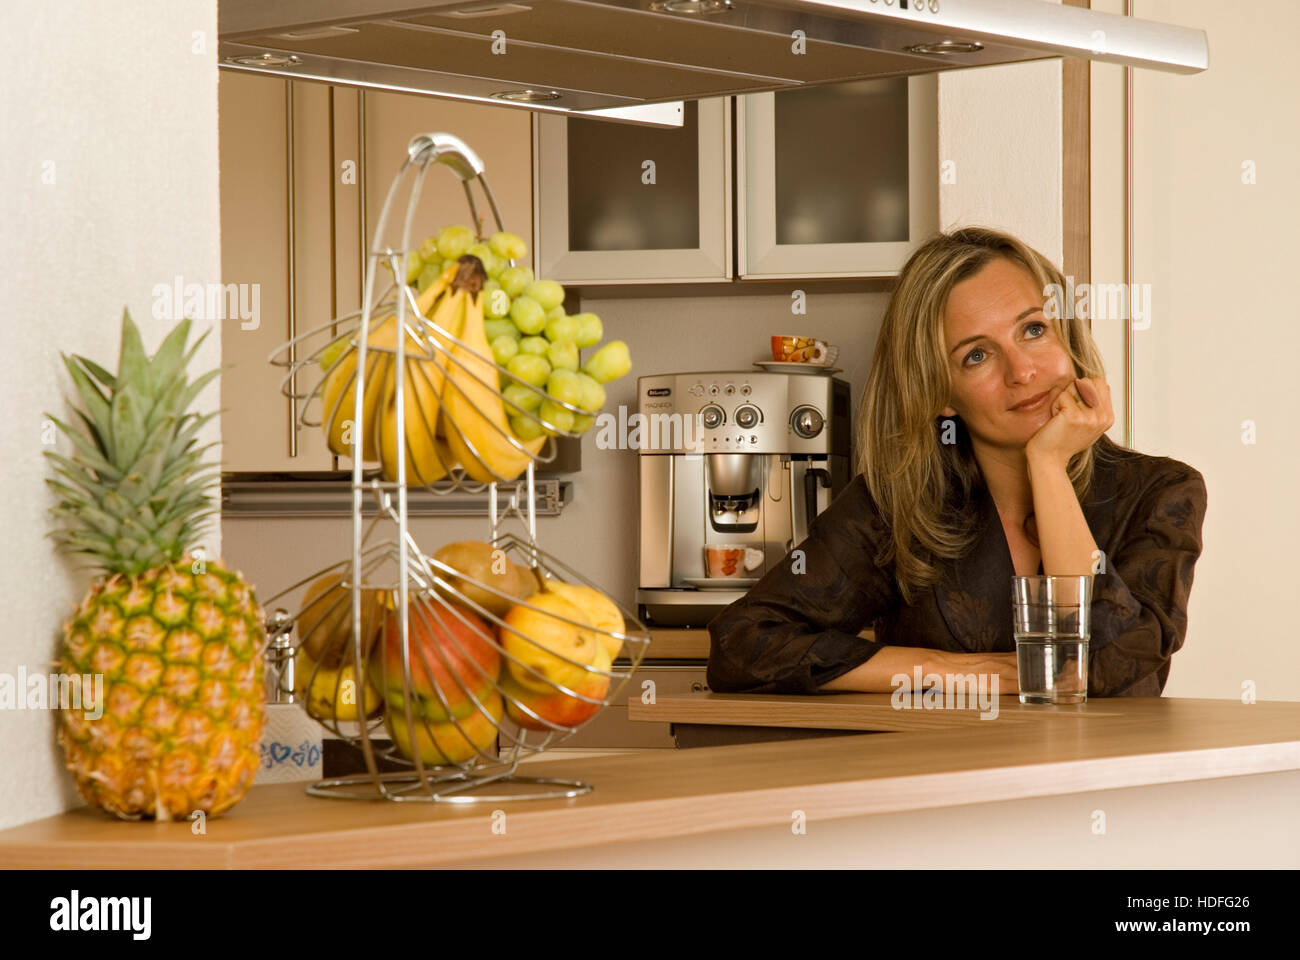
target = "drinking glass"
x: 1051, y: 622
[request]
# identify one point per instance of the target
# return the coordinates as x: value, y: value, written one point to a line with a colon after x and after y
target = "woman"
x: 960, y: 485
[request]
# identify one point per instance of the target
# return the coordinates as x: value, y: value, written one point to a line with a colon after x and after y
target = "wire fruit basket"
x: 483, y: 652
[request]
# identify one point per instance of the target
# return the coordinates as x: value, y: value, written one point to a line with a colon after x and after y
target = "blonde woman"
x: 981, y: 454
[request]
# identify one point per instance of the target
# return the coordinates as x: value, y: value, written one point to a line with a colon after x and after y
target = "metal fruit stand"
x: 386, y: 559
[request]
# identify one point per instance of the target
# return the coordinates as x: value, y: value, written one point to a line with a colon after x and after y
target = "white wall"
x: 1219, y: 356
x: 112, y: 100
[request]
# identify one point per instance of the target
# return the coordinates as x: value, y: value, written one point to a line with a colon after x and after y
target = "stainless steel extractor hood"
x: 636, y: 60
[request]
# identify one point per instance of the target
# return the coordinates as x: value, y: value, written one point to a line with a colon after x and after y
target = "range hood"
x: 636, y: 60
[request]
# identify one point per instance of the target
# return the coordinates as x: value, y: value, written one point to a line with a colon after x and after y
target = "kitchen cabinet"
x: 618, y: 203
x: 296, y: 185
x: 279, y: 246
x: 838, y: 180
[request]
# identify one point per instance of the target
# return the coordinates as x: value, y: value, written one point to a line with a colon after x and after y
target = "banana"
x: 338, y: 400
x: 427, y: 457
x: 338, y: 391
x: 473, y: 382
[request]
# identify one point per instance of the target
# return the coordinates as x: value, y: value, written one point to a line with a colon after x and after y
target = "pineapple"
x: 179, y: 640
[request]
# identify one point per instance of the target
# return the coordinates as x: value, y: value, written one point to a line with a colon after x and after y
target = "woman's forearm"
x: 877, y: 674
x: 1064, y: 540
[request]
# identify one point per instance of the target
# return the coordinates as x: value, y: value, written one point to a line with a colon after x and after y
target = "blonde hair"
x: 921, y: 486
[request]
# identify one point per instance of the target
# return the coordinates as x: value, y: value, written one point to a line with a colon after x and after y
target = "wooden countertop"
x: 1103, y: 744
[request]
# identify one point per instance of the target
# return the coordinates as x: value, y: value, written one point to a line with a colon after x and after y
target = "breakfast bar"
x: 1123, y: 782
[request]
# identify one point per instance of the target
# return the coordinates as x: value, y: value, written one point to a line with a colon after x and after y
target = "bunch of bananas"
x: 453, y: 410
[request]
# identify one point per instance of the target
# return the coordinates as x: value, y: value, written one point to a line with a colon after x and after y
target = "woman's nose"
x: 1020, y: 365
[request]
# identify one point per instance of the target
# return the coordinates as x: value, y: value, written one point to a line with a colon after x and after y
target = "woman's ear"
x: 949, y: 412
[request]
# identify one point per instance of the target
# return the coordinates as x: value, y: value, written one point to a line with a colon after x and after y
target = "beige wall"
x: 1220, y: 353
x: 113, y: 96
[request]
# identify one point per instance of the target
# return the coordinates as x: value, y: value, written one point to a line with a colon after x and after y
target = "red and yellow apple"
x: 558, y: 709
x: 441, y: 744
x: 540, y: 640
x: 451, y: 659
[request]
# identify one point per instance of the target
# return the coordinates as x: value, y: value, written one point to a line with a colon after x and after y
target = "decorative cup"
x: 729, y: 560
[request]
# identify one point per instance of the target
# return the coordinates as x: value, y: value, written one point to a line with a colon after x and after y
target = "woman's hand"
x: 1081, y: 413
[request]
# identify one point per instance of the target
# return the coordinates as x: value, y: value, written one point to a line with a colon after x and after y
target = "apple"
x: 325, y: 623
x: 556, y: 708
x: 448, y: 657
x: 598, y: 608
x: 442, y: 744
x: 543, y: 641
x: 481, y: 563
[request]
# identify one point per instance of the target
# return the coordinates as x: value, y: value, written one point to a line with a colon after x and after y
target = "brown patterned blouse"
x: 793, y: 632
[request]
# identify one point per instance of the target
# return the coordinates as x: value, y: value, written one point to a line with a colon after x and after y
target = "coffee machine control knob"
x: 807, y: 422
x: 747, y: 417
x: 712, y: 416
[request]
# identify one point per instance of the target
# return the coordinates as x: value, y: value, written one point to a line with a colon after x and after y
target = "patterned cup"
x: 727, y: 560
x: 787, y: 349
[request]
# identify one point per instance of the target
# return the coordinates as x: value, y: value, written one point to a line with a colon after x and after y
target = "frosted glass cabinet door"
x: 618, y: 203
x: 839, y: 180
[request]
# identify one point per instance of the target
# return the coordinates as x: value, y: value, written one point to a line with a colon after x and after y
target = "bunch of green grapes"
x: 530, y: 334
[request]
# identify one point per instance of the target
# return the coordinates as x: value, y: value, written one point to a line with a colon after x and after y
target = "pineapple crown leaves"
x: 133, y: 494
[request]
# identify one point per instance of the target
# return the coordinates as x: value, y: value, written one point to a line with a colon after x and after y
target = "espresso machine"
x: 738, y: 458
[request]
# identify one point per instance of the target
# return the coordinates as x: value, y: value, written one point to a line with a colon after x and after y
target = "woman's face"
x: 1002, y: 350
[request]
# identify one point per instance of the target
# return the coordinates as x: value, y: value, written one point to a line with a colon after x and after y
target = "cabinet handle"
x: 293, y: 321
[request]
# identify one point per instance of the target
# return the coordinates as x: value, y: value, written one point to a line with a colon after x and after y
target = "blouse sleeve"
x: 1139, y: 606
x: 796, y: 629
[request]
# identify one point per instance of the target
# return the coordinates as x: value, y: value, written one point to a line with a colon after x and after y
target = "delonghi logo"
x: 102, y: 913
x: 659, y: 392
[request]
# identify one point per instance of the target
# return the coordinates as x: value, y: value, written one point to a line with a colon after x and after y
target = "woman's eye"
x: 1028, y: 326
x: 973, y: 352
x: 1038, y: 323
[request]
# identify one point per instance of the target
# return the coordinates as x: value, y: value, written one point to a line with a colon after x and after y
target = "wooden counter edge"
x: 311, y: 839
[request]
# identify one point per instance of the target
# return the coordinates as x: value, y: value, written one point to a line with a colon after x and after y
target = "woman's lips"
x: 1033, y: 403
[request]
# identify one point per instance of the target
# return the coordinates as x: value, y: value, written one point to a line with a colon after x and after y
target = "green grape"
x: 503, y: 348
x: 528, y: 315
x: 492, y: 264
x: 430, y: 273
x: 515, y: 279
x: 581, y: 423
x: 537, y: 346
x: 590, y: 330
x: 563, y: 328
x: 413, y: 267
x: 529, y: 368
x: 525, y: 428
x: 520, y: 396
x: 564, y: 386
x: 497, y: 305
x: 429, y: 249
x: 563, y: 355
x: 555, y: 312
x: 557, y: 416
x: 546, y: 292
x: 333, y: 352
x: 609, y: 362
x: 508, y: 246
x: 494, y: 328
x: 454, y: 241
x: 490, y: 284
x: 592, y: 393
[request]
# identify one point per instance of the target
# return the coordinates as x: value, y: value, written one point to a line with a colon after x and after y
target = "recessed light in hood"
x: 624, y: 57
